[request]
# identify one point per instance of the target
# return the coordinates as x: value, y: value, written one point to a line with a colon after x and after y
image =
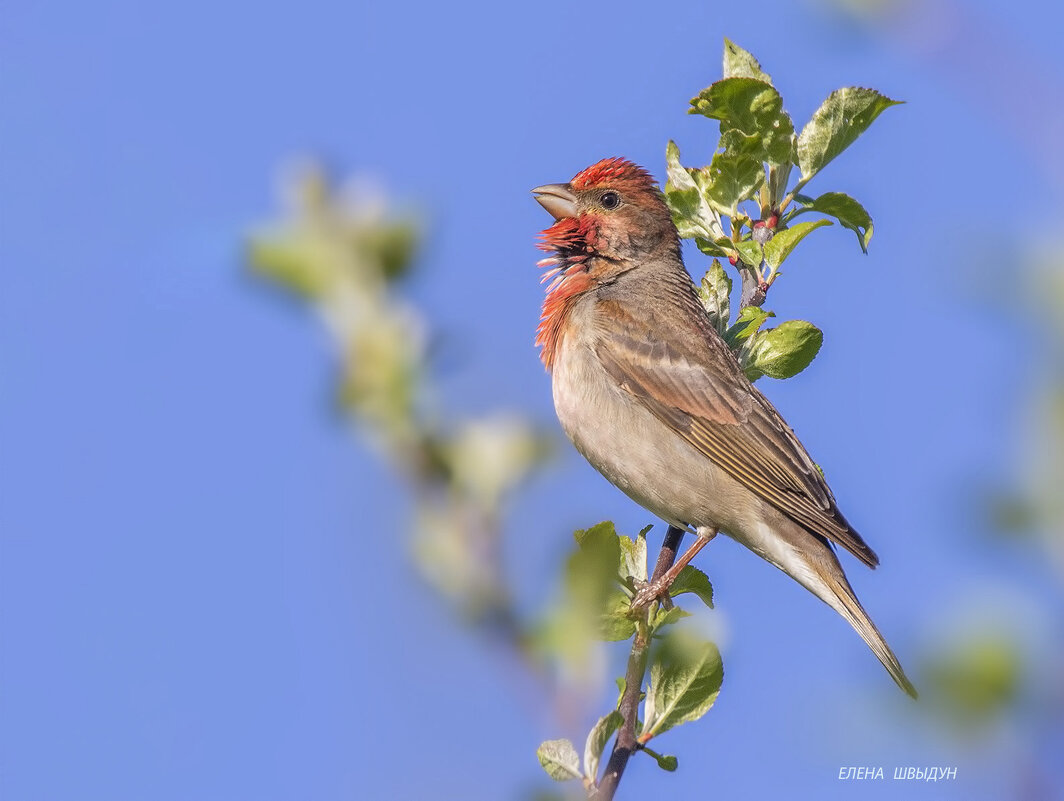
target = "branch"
x: 626, y: 743
x: 753, y: 294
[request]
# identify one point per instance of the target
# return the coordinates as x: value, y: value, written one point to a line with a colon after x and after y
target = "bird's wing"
x: 695, y: 386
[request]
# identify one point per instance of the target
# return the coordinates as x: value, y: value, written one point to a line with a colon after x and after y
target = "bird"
x: 652, y: 396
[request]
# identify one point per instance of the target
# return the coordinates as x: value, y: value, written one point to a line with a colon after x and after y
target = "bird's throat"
x: 572, y: 241
x: 557, y: 304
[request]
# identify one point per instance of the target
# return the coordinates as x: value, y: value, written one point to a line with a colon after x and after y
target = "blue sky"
x: 204, y: 593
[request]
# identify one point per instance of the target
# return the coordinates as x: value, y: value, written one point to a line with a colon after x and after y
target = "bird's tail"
x: 845, y: 602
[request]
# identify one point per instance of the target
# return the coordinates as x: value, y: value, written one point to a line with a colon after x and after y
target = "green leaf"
x: 752, y: 107
x: 786, y: 350
x: 722, y: 247
x: 685, y: 678
x: 634, y: 556
x: 734, y: 174
x: 590, y: 582
x: 393, y: 247
x: 596, y: 742
x: 739, y: 63
x: 682, y: 196
x: 693, y: 580
x: 599, y: 533
x: 619, y: 681
x: 599, y: 546
x: 749, y: 321
x: 751, y: 372
x: 294, y: 263
x: 676, y: 174
x: 844, y: 116
x: 665, y: 761
x: 750, y: 252
x: 559, y: 759
x: 667, y: 617
x: 715, y: 294
x: 783, y: 242
x: 976, y: 676
x: 778, y: 178
x: 846, y: 210
x: 614, y: 624
x: 691, y: 215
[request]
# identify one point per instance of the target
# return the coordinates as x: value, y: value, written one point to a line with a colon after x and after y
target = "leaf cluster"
x: 743, y: 207
x: 347, y: 256
x: 603, y: 575
x: 780, y: 352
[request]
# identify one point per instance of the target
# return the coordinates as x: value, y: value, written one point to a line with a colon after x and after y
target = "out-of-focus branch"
x: 346, y: 256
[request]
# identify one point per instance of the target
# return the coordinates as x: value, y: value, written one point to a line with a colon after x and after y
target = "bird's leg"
x: 666, y: 556
x: 659, y: 587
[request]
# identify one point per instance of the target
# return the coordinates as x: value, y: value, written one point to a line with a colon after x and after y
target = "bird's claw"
x: 647, y: 594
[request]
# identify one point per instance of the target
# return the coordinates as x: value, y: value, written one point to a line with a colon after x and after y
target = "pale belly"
x: 635, y: 451
x: 662, y: 472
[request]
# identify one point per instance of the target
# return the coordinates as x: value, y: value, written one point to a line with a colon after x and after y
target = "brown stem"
x: 752, y: 294
x: 625, y: 744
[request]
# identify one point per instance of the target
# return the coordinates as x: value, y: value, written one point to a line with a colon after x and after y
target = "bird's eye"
x: 610, y: 200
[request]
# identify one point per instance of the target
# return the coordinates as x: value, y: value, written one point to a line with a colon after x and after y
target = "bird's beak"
x: 557, y: 199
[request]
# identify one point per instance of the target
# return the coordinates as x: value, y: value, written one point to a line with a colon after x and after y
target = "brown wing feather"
x: 697, y: 388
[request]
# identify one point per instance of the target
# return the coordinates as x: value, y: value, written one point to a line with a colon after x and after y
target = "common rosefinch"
x: 652, y: 396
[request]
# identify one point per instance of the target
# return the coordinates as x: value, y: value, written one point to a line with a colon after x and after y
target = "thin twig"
x: 625, y: 744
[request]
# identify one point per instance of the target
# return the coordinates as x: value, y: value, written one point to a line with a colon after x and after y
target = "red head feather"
x: 613, y: 172
x: 574, y: 240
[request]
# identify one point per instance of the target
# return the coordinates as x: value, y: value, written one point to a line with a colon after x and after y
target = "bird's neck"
x: 663, y: 270
x: 555, y: 313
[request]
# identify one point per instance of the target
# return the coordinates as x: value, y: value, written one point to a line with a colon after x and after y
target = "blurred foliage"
x: 1036, y: 509
x: 991, y: 675
x: 602, y: 578
x: 973, y: 681
x: 346, y: 257
x: 995, y: 684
